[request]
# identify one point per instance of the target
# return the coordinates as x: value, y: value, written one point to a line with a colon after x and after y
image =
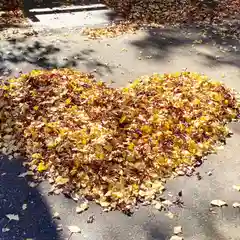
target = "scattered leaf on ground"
x: 91, y: 219
x: 24, y: 206
x: 167, y: 203
x: 74, y: 229
x: 236, y: 205
x: 83, y: 207
x: 170, y: 215
x: 218, y: 203
x: 5, y: 229
x: 14, y: 217
x: 175, y: 237
x: 56, y: 215
x: 236, y: 187
x: 28, y: 173
x: 32, y: 184
x: 59, y: 227
x: 61, y: 180
x: 177, y: 230
x: 158, y: 206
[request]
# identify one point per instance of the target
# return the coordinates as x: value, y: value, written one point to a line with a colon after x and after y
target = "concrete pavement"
x: 123, y: 59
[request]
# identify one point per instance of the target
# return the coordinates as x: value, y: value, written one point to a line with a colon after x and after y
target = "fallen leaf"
x: 180, y: 173
x: 74, y: 229
x: 176, y: 238
x: 28, y: 173
x: 32, y: 184
x: 61, y: 180
x: 83, y: 207
x: 236, y: 205
x: 42, y: 167
x: 56, y: 215
x: 167, y: 203
x: 24, y: 206
x: 218, y: 203
x: 177, y: 230
x: 59, y: 228
x: 209, y: 173
x: 14, y: 217
x: 170, y: 215
x: 158, y: 206
x: 236, y: 187
x: 91, y: 219
x: 6, y: 229
x: 104, y: 203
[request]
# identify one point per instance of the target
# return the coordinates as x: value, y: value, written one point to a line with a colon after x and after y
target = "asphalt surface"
x: 123, y: 59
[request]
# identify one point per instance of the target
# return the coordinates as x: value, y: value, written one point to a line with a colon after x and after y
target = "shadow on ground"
x: 24, y: 202
x: 37, y: 54
x: 159, y: 43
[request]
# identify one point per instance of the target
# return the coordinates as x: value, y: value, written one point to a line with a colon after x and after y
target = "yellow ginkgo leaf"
x: 36, y: 108
x: 131, y: 146
x: 68, y: 101
x: 61, y: 180
x: 37, y: 156
x: 122, y: 119
x: 42, y: 167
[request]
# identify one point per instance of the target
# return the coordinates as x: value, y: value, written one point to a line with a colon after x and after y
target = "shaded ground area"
x: 123, y: 59
x: 24, y: 202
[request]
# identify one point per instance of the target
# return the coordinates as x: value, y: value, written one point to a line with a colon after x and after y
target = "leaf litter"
x: 13, y: 217
x: 143, y: 14
x: 74, y: 229
x: 218, y: 203
x: 177, y: 230
x: 114, y: 146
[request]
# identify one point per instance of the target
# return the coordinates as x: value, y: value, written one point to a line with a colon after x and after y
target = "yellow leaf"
x: 83, y: 207
x: 123, y: 118
x: 146, y: 129
x: 42, y: 167
x: 236, y: 187
x: 68, y: 101
x: 100, y: 156
x: 108, y: 147
x: 36, y: 108
x: 37, y: 156
x: 196, y: 101
x: 131, y: 146
x: 135, y: 83
x: 61, y: 180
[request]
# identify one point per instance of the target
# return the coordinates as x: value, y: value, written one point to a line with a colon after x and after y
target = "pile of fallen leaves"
x: 11, y: 18
x: 111, y: 145
x: 140, y: 14
x: 111, y: 31
x: 180, y: 11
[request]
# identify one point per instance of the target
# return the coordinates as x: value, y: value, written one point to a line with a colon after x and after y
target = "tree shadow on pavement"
x: 159, y: 43
x: 155, y: 232
x: 32, y: 218
x: 18, y: 53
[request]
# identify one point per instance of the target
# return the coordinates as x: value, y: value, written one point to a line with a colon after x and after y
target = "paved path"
x: 123, y: 59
